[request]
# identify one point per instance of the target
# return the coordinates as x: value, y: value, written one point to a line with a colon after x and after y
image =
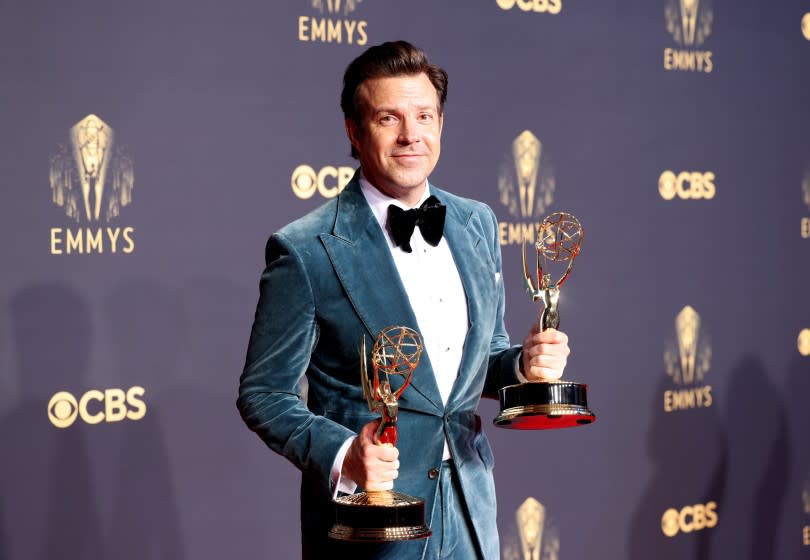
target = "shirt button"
x: 433, y: 474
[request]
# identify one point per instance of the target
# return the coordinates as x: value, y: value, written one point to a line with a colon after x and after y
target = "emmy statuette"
x: 539, y: 405
x: 384, y: 515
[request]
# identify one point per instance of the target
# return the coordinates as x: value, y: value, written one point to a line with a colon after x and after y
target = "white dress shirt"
x: 437, y: 297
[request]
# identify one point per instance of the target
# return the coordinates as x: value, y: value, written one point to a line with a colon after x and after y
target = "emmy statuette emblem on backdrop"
x: 384, y: 515
x: 539, y: 405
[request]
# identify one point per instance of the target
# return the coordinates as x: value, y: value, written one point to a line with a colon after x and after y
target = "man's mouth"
x: 408, y: 155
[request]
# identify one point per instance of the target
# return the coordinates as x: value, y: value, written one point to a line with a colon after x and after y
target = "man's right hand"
x: 371, y: 465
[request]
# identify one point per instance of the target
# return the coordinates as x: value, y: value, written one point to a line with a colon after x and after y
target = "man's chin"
x: 412, y: 175
x: 411, y: 183
x: 403, y: 187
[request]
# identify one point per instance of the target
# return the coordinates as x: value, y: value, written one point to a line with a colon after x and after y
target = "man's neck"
x: 410, y: 198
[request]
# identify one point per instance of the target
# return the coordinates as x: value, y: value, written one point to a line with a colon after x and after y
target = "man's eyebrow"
x: 384, y: 109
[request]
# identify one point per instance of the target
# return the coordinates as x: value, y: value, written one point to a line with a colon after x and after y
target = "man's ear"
x: 353, y: 132
x: 441, y: 122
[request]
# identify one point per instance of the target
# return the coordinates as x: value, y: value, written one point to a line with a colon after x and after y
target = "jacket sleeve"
x: 502, y: 357
x: 283, y: 337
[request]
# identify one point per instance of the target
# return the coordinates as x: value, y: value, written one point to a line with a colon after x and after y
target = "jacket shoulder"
x: 467, y: 208
x: 308, y: 227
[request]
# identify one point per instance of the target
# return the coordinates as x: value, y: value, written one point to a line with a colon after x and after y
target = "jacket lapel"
x: 464, y: 234
x: 361, y: 259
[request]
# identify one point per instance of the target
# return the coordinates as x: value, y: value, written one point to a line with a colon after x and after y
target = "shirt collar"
x: 379, y: 201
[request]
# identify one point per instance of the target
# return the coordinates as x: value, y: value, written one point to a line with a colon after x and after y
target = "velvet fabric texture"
x: 330, y: 280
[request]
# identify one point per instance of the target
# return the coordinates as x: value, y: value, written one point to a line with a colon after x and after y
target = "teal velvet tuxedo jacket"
x: 329, y: 281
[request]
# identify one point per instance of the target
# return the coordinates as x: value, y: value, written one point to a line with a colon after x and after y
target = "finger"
x: 382, y: 476
x: 369, y: 431
x: 551, y: 336
x: 561, y: 350
x: 543, y: 374
x: 558, y: 337
x: 385, y: 453
x: 377, y: 469
x: 379, y: 486
x: 383, y: 472
x: 546, y: 367
x: 389, y: 453
x: 375, y: 455
x: 548, y: 361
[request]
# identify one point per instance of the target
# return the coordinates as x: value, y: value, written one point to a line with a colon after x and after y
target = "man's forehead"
x: 405, y: 88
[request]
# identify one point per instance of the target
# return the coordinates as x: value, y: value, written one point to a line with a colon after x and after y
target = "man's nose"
x: 408, y: 131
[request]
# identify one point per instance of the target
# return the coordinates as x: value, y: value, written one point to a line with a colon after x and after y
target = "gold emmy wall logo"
x: 687, y: 359
x: 537, y: 6
x: 688, y: 519
x: 333, y: 23
x: 92, y: 178
x: 95, y: 406
x: 327, y: 181
x: 537, y: 534
x: 806, y: 495
x: 803, y: 342
x: 805, y: 222
x: 687, y: 185
x: 689, y: 22
x: 806, y: 26
x: 806, y: 508
x: 526, y: 188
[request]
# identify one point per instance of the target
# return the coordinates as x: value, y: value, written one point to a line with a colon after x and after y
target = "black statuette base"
x: 365, y: 517
x: 544, y: 405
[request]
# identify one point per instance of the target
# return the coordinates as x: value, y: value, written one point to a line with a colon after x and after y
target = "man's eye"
x: 426, y: 117
x: 387, y: 119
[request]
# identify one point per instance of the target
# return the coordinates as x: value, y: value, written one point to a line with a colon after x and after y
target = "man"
x: 347, y: 271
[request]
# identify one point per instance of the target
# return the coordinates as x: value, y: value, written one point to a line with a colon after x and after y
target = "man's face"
x: 399, y: 134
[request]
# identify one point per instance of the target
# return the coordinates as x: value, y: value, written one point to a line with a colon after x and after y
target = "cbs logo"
x: 539, y: 6
x: 689, y: 518
x: 687, y: 185
x: 329, y: 181
x: 111, y: 405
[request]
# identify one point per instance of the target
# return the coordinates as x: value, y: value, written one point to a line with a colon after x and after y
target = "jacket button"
x: 433, y: 474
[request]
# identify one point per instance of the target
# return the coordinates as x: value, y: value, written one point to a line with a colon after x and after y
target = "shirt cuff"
x: 342, y: 483
x: 518, y: 373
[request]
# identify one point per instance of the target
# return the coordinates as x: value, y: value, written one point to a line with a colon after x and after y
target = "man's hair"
x: 397, y: 58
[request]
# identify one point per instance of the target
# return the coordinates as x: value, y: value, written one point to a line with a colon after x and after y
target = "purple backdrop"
x: 680, y: 141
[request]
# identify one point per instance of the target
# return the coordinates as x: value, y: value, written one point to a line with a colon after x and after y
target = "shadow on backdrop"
x: 244, y: 498
x: 795, y: 510
x: 688, y: 453
x: 147, y: 326
x: 3, y: 540
x: 758, y: 465
x: 50, y: 504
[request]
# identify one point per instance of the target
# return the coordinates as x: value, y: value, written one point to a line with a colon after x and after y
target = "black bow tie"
x: 429, y: 217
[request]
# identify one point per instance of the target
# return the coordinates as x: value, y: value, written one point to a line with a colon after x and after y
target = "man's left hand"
x: 545, y: 354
